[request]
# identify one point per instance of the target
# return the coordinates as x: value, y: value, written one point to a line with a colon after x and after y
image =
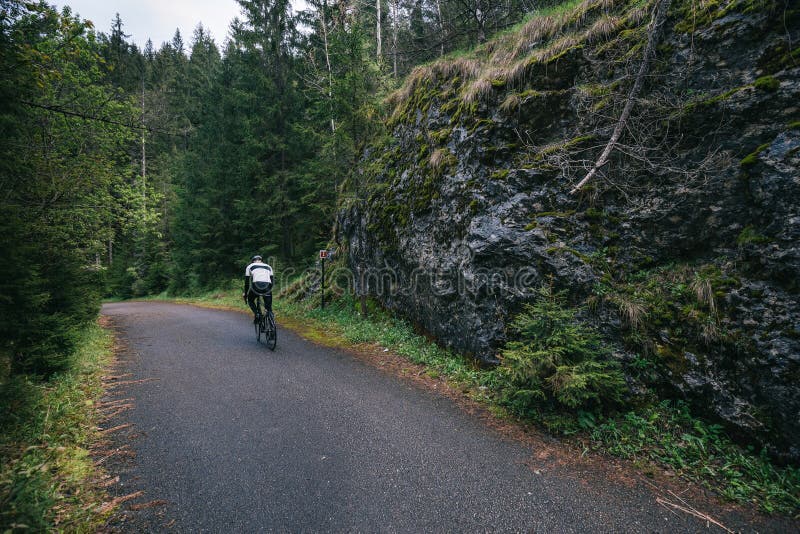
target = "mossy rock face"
x: 680, y: 241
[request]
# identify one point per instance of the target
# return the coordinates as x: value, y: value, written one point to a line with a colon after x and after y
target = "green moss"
x: 441, y: 136
x: 593, y: 213
x: 749, y: 235
x: 752, y: 158
x: 463, y: 109
x: 672, y: 358
x: 450, y: 105
x: 700, y: 14
x: 482, y: 124
x: 498, y: 83
x: 767, y: 83
x: 692, y: 106
x: 559, y: 214
x: 500, y: 174
x: 779, y: 57
x: 531, y: 226
x: 793, y: 125
x: 566, y: 145
x: 565, y: 53
x: 474, y: 206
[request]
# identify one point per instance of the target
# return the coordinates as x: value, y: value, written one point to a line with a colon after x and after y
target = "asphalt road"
x: 235, y: 438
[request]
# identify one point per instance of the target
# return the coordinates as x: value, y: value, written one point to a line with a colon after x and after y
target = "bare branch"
x: 654, y: 33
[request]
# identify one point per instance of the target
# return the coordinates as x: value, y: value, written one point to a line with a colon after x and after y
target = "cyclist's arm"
x: 246, y: 284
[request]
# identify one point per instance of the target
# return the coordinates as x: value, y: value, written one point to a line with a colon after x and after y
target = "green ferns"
x: 557, y: 360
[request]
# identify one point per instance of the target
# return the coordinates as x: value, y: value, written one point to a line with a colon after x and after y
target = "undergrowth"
x: 46, y: 427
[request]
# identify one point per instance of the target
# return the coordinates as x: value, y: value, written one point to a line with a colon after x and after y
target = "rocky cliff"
x: 684, y: 250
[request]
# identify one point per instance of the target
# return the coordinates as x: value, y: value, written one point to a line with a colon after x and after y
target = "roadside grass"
x: 47, y: 477
x: 659, y: 437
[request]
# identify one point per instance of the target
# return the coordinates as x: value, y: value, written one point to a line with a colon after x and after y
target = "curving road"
x: 230, y: 437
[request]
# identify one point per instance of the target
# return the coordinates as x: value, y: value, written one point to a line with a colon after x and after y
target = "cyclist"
x: 258, y: 283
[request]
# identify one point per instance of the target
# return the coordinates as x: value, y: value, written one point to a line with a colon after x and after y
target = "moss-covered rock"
x: 686, y: 244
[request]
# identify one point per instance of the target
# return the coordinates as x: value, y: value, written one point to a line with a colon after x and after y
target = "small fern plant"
x: 556, y: 359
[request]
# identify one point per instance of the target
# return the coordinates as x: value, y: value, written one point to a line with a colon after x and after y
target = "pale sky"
x: 158, y: 19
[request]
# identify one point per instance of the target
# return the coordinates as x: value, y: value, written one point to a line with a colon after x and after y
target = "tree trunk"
x: 322, y: 18
x: 441, y: 26
x: 395, y: 24
x: 378, y: 29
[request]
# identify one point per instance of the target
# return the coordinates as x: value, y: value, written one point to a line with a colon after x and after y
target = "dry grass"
x: 477, y: 90
x: 603, y: 27
x: 509, y: 57
x: 704, y: 292
x: 636, y: 16
x: 558, y: 47
x: 632, y: 312
x: 511, y: 103
x: 710, y: 332
x: 536, y: 31
x: 412, y: 82
x: 438, y: 158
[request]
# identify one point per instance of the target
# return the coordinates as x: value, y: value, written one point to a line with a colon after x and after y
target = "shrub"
x: 558, y: 360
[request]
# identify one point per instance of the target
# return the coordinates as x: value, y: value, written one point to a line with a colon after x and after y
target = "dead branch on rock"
x: 653, y: 36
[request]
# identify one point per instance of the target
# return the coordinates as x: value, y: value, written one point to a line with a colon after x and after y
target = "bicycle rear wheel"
x: 258, y: 324
x: 271, y: 335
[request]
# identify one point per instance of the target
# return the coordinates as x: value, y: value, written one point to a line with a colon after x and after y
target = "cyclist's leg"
x: 252, y: 301
x: 268, y: 303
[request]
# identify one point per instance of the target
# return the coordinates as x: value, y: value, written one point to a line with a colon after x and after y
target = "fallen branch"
x: 129, y: 382
x: 112, y: 404
x: 122, y: 451
x: 116, y: 428
x: 116, y: 377
x: 151, y: 504
x: 118, y: 411
x: 653, y: 35
x: 110, y: 505
x: 691, y: 511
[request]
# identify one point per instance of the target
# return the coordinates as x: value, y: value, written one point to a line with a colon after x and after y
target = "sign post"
x: 323, y: 255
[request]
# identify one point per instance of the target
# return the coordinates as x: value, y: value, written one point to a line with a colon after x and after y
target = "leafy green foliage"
x: 557, y: 359
x: 59, y: 173
x: 668, y: 435
x: 45, y: 432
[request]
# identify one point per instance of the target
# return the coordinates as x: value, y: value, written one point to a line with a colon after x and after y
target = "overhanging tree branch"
x: 54, y: 109
x: 653, y: 36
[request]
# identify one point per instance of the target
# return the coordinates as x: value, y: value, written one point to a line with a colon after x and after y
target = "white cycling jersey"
x: 259, y: 272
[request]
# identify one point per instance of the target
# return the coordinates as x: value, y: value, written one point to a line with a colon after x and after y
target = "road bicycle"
x: 266, y: 327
